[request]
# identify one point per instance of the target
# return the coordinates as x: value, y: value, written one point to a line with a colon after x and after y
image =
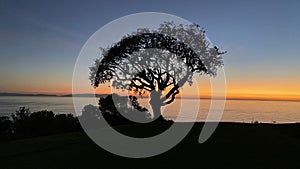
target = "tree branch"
x: 142, y: 83
x: 137, y: 87
x: 172, y: 97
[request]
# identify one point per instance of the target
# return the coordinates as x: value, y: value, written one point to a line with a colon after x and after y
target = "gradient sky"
x: 40, y: 41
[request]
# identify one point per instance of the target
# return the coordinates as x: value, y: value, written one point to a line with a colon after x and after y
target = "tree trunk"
x: 156, y: 111
x: 156, y: 103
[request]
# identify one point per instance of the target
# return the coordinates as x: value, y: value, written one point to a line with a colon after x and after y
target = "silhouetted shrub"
x: 6, y: 127
x: 66, y: 123
x: 111, y: 105
x: 116, y: 110
x: 42, y: 122
x: 91, y: 114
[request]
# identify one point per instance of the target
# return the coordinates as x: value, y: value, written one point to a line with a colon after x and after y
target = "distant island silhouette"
x: 53, y: 95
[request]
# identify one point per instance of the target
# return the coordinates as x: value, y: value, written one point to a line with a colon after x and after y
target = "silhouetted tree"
x: 21, y: 121
x: 157, y: 62
x: 21, y: 115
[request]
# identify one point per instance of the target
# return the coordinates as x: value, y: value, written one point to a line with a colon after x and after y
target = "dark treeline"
x: 24, y: 123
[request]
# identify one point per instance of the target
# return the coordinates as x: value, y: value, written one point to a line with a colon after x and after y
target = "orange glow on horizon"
x: 235, y: 90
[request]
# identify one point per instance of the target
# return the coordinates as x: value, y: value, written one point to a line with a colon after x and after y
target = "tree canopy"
x: 155, y: 61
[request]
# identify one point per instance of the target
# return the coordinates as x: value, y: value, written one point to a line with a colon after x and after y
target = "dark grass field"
x: 233, y: 145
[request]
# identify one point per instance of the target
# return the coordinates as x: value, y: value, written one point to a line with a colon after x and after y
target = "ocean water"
x: 234, y: 111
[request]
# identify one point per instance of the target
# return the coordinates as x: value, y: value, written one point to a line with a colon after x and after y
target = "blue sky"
x: 43, y: 39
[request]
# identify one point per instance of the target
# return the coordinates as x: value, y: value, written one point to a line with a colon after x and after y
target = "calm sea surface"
x: 235, y: 110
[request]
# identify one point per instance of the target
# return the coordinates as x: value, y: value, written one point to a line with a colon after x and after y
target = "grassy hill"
x: 233, y: 145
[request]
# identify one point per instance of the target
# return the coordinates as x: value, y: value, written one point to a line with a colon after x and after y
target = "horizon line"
x: 257, y: 98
